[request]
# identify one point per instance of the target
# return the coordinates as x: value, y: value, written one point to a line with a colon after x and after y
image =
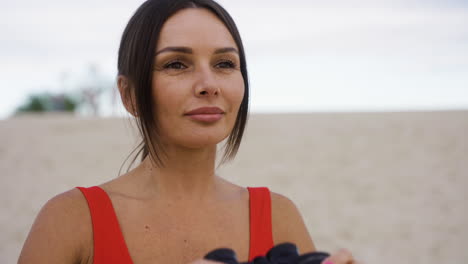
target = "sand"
x: 388, y: 186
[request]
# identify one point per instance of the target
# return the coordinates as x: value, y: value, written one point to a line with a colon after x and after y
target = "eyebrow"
x: 190, y: 51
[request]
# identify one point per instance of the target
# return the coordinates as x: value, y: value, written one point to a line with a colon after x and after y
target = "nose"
x: 206, y: 84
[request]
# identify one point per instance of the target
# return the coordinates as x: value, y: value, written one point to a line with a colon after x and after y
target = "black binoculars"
x: 285, y: 253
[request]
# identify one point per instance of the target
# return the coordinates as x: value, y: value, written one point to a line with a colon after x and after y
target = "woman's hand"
x: 343, y: 256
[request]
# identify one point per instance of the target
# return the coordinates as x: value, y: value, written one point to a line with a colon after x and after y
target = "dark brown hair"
x: 135, y: 62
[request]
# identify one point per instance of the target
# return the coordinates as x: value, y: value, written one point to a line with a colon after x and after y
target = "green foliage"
x: 69, y: 104
x: 49, y: 103
x: 84, y: 95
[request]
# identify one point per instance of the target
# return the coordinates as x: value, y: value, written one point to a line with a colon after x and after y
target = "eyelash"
x: 230, y: 63
x: 170, y: 65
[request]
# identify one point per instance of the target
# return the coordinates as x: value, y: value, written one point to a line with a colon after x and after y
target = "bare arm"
x: 59, y: 231
x: 288, y: 225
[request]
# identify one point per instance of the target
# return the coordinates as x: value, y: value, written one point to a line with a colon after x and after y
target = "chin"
x: 202, y: 143
x: 195, y: 141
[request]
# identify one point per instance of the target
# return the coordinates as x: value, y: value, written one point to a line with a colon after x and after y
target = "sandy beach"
x: 391, y: 187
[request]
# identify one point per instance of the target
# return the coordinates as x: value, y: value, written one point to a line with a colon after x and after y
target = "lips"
x: 206, y: 114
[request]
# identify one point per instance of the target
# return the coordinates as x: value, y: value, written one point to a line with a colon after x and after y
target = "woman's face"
x: 197, y: 83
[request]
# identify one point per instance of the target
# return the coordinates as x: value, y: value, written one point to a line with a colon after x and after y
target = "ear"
x: 127, y: 95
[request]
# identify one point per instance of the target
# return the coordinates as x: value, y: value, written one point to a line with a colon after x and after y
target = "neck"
x: 186, y: 174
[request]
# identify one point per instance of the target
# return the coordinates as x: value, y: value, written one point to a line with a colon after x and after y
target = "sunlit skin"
x: 197, y: 65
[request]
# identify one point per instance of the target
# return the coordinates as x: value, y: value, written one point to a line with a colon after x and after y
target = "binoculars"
x: 285, y: 253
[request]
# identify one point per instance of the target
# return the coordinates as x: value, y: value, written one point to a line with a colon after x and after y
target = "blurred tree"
x: 46, y: 102
x: 83, y: 94
x: 35, y: 105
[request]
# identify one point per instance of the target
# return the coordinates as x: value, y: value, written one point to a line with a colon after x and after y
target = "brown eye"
x: 176, y: 65
x: 227, y: 64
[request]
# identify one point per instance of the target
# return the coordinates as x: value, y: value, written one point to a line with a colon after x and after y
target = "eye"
x: 226, y: 64
x: 176, y: 65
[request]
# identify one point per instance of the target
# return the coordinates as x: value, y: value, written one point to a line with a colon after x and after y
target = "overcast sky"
x: 342, y: 55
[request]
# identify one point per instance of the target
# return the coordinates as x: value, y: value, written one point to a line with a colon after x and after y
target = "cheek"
x: 236, y: 91
x: 165, y: 96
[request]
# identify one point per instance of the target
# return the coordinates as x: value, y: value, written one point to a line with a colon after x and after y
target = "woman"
x: 182, y: 74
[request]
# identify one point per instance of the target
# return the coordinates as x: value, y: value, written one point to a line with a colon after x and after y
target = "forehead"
x: 195, y: 27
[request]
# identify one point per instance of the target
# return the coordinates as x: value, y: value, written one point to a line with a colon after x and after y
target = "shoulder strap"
x: 109, y: 243
x: 261, y: 236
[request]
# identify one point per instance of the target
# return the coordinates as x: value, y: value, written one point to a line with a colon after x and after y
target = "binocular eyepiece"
x: 285, y: 253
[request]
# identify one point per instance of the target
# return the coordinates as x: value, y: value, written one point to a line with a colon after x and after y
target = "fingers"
x: 343, y: 256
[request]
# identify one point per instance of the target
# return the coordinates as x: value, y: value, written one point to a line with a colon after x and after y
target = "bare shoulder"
x: 288, y: 224
x: 60, y: 232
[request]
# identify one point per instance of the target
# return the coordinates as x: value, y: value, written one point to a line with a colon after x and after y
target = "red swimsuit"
x: 109, y: 244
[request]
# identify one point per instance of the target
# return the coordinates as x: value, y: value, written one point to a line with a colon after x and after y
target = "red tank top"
x: 109, y: 243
